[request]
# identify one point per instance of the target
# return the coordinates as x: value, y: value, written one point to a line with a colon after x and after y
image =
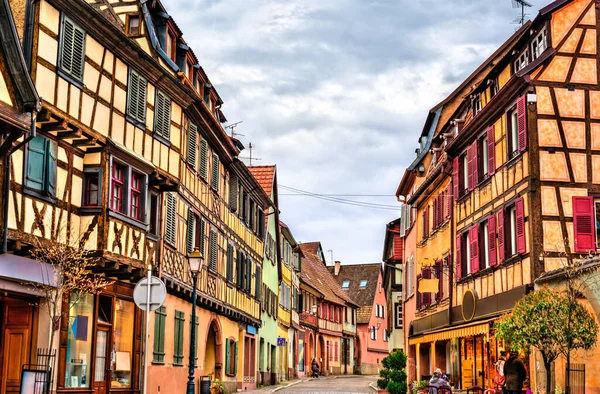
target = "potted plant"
x: 217, y: 387
x: 419, y: 387
x: 392, y: 376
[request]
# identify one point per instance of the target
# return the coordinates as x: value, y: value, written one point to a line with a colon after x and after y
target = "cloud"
x: 335, y: 92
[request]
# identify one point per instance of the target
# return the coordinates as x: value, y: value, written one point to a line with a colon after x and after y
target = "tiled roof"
x: 264, y: 176
x: 310, y: 247
x: 363, y: 315
x: 316, y: 274
x: 354, y: 274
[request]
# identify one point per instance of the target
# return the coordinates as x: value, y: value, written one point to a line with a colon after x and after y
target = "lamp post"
x: 196, y: 260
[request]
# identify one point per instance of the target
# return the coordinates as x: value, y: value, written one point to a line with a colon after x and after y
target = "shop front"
x: 100, y: 342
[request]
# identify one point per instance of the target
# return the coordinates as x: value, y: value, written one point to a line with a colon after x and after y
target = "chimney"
x: 336, y: 269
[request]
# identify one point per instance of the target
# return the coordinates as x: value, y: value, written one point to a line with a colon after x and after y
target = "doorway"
x: 101, y: 360
x: 16, y: 326
x: 213, y: 357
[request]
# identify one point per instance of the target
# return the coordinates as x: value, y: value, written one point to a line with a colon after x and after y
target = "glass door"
x: 101, y: 361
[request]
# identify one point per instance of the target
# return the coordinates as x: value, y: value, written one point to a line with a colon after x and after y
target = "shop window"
x: 123, y: 334
x: 105, y: 308
x: 92, y: 188
x: 178, y: 338
x: 158, y: 351
x: 231, y: 355
x: 41, y: 165
x: 72, y: 49
x: 79, y: 341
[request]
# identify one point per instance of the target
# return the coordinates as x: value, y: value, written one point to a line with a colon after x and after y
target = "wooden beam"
x: 68, y: 135
x: 56, y: 126
x: 87, y: 142
x: 43, y: 116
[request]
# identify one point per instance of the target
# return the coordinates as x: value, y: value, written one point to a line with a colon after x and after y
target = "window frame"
x: 140, y: 122
x: 87, y: 172
x: 347, y: 284
x: 484, y: 240
x: 512, y: 144
x: 126, y: 184
x: 78, y: 81
x: 521, y: 61
x: 537, y: 48
x: 47, y: 191
x: 128, y: 19
x: 361, y: 286
x: 483, y: 158
x: 154, y: 215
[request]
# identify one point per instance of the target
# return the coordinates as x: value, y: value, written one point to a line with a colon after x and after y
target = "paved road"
x: 341, y: 384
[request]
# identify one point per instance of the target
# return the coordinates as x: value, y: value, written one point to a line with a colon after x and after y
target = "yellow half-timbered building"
x: 131, y: 160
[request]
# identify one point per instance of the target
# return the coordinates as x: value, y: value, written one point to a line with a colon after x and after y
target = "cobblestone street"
x: 338, y: 384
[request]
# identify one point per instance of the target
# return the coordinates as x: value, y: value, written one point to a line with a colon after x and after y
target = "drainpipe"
x: 28, y: 32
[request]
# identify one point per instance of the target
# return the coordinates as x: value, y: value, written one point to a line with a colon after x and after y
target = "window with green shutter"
x: 72, y: 49
x: 233, y: 192
x: 231, y: 357
x: 227, y: 356
x: 170, y: 223
x: 162, y: 121
x: 230, y: 253
x: 136, y: 100
x: 191, y: 145
x: 191, y: 227
x: 197, y: 343
x: 158, y: 353
x: 41, y: 165
x: 213, y: 251
x: 204, y: 159
x: 201, y: 236
x: 240, y: 269
x: 258, y: 283
x: 248, y: 263
x: 178, y: 338
x: 214, y: 181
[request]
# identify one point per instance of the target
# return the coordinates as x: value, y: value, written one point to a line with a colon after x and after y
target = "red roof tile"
x: 264, y: 175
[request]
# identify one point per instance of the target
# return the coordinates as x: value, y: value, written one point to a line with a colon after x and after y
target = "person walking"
x: 315, y: 368
x: 514, y: 373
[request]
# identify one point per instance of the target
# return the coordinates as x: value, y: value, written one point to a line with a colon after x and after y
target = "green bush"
x: 396, y: 387
x: 393, y: 376
x: 382, y: 383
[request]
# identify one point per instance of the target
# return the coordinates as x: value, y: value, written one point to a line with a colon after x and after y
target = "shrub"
x: 393, y: 377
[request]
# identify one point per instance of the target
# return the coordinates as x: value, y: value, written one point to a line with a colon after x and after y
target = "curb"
x: 289, y: 385
x: 372, y: 385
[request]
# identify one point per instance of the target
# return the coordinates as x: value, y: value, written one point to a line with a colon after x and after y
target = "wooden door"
x: 16, y: 343
x: 101, y: 361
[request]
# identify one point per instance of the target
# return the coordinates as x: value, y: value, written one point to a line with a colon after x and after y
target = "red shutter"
x: 470, y: 162
x: 440, y: 277
x: 419, y: 295
x: 455, y: 179
x: 427, y: 296
x: 458, y: 257
x: 583, y: 223
x: 448, y: 201
x: 474, y: 243
x: 435, y: 213
x: 492, y: 239
x: 475, y: 148
x: 491, y: 137
x: 522, y: 122
x: 501, y: 246
x: 520, y: 213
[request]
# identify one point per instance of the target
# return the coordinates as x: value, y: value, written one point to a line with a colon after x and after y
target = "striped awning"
x: 458, y: 332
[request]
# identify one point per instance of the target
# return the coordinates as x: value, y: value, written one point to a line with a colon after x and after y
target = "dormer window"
x: 170, y: 46
x: 345, y: 284
x: 476, y: 104
x: 190, y: 70
x: 539, y: 44
x: 522, y: 61
x: 363, y: 284
x: 133, y: 25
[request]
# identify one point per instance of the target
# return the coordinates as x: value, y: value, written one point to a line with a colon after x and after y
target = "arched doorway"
x: 213, y: 353
x: 322, y: 357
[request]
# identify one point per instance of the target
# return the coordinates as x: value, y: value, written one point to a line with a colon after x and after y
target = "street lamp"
x: 196, y: 260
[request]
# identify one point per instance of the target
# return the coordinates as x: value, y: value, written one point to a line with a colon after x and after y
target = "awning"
x: 451, y: 333
x: 24, y: 270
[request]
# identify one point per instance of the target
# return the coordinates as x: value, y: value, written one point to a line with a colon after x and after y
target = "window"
x: 363, y: 284
x: 398, y: 320
x: 405, y: 219
x: 72, y: 49
x: 373, y: 333
x: 136, y: 97
x: 586, y: 211
x: 410, y: 277
x: 118, y: 188
x: 494, y: 87
x: 158, y: 352
x: 213, y: 251
x: 513, y: 133
x: 41, y: 165
x: 258, y: 282
x: 345, y: 284
x: 463, y: 255
x: 136, y: 195
x: 81, y: 315
x: 539, y: 44
x: 522, y: 61
x: 511, y: 230
x: 215, y: 172
x: 512, y: 241
x: 385, y: 335
x: 133, y: 25
x: 484, y: 245
x: 162, y: 120
x: 483, y: 158
x: 122, y: 344
x: 230, y: 267
x: 231, y: 355
x: 170, y: 224
x: 464, y: 171
x: 476, y: 104
x: 170, y: 45
x: 178, y: 339
x: 154, y: 214
x: 91, y: 188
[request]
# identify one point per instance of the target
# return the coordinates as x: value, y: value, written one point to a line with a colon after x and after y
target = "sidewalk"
x: 277, y: 387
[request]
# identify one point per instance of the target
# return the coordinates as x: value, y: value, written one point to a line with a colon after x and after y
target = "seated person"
x: 438, y: 382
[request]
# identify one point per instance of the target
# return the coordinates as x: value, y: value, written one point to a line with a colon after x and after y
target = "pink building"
x: 364, y: 284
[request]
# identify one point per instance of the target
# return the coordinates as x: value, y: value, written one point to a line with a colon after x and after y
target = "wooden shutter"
x: 435, y: 213
x: 258, y: 283
x: 227, y: 357
x: 72, y: 49
x: 191, y: 225
x: 583, y: 223
x: 51, y: 152
x: 419, y: 295
x: 439, y: 275
x: 474, y: 246
x: 204, y: 159
x: 191, y: 145
x: 230, y: 252
x: 470, y: 163
x: 213, y: 250
x: 448, y: 202
x: 492, y: 239
x: 248, y: 274
x: 215, y: 172
x: 491, y: 139
x: 201, y: 235
x: 427, y: 296
x: 235, y: 359
x: 158, y: 353
x: 240, y: 269
x: 233, y: 192
x: 455, y: 178
x: 458, y: 256
x: 261, y: 223
x: 136, y: 105
x: 170, y: 223
x: 522, y: 122
x: 475, y: 153
x: 162, y: 124
x: 501, y: 234
x: 178, y: 339
x: 36, y: 163
x: 520, y: 216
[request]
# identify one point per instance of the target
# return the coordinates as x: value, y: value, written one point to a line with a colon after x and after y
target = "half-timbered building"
x: 131, y: 160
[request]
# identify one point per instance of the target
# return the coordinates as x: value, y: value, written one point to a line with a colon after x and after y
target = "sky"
x: 336, y: 92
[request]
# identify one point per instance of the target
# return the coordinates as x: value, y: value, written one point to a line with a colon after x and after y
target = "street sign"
x: 157, y: 294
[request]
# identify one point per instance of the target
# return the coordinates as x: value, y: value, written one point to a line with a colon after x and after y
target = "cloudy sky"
x: 335, y: 92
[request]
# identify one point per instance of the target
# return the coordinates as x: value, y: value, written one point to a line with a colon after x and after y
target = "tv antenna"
x: 250, y: 147
x: 521, y: 4
x: 232, y: 128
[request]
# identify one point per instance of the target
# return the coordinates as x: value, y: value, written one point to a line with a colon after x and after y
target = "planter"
x: 380, y: 391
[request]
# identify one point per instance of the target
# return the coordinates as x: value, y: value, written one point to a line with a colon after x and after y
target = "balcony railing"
x: 309, y: 319
x: 329, y: 325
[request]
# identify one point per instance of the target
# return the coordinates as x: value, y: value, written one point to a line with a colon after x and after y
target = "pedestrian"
x: 499, y: 379
x: 514, y: 373
x: 437, y: 382
x: 315, y: 368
